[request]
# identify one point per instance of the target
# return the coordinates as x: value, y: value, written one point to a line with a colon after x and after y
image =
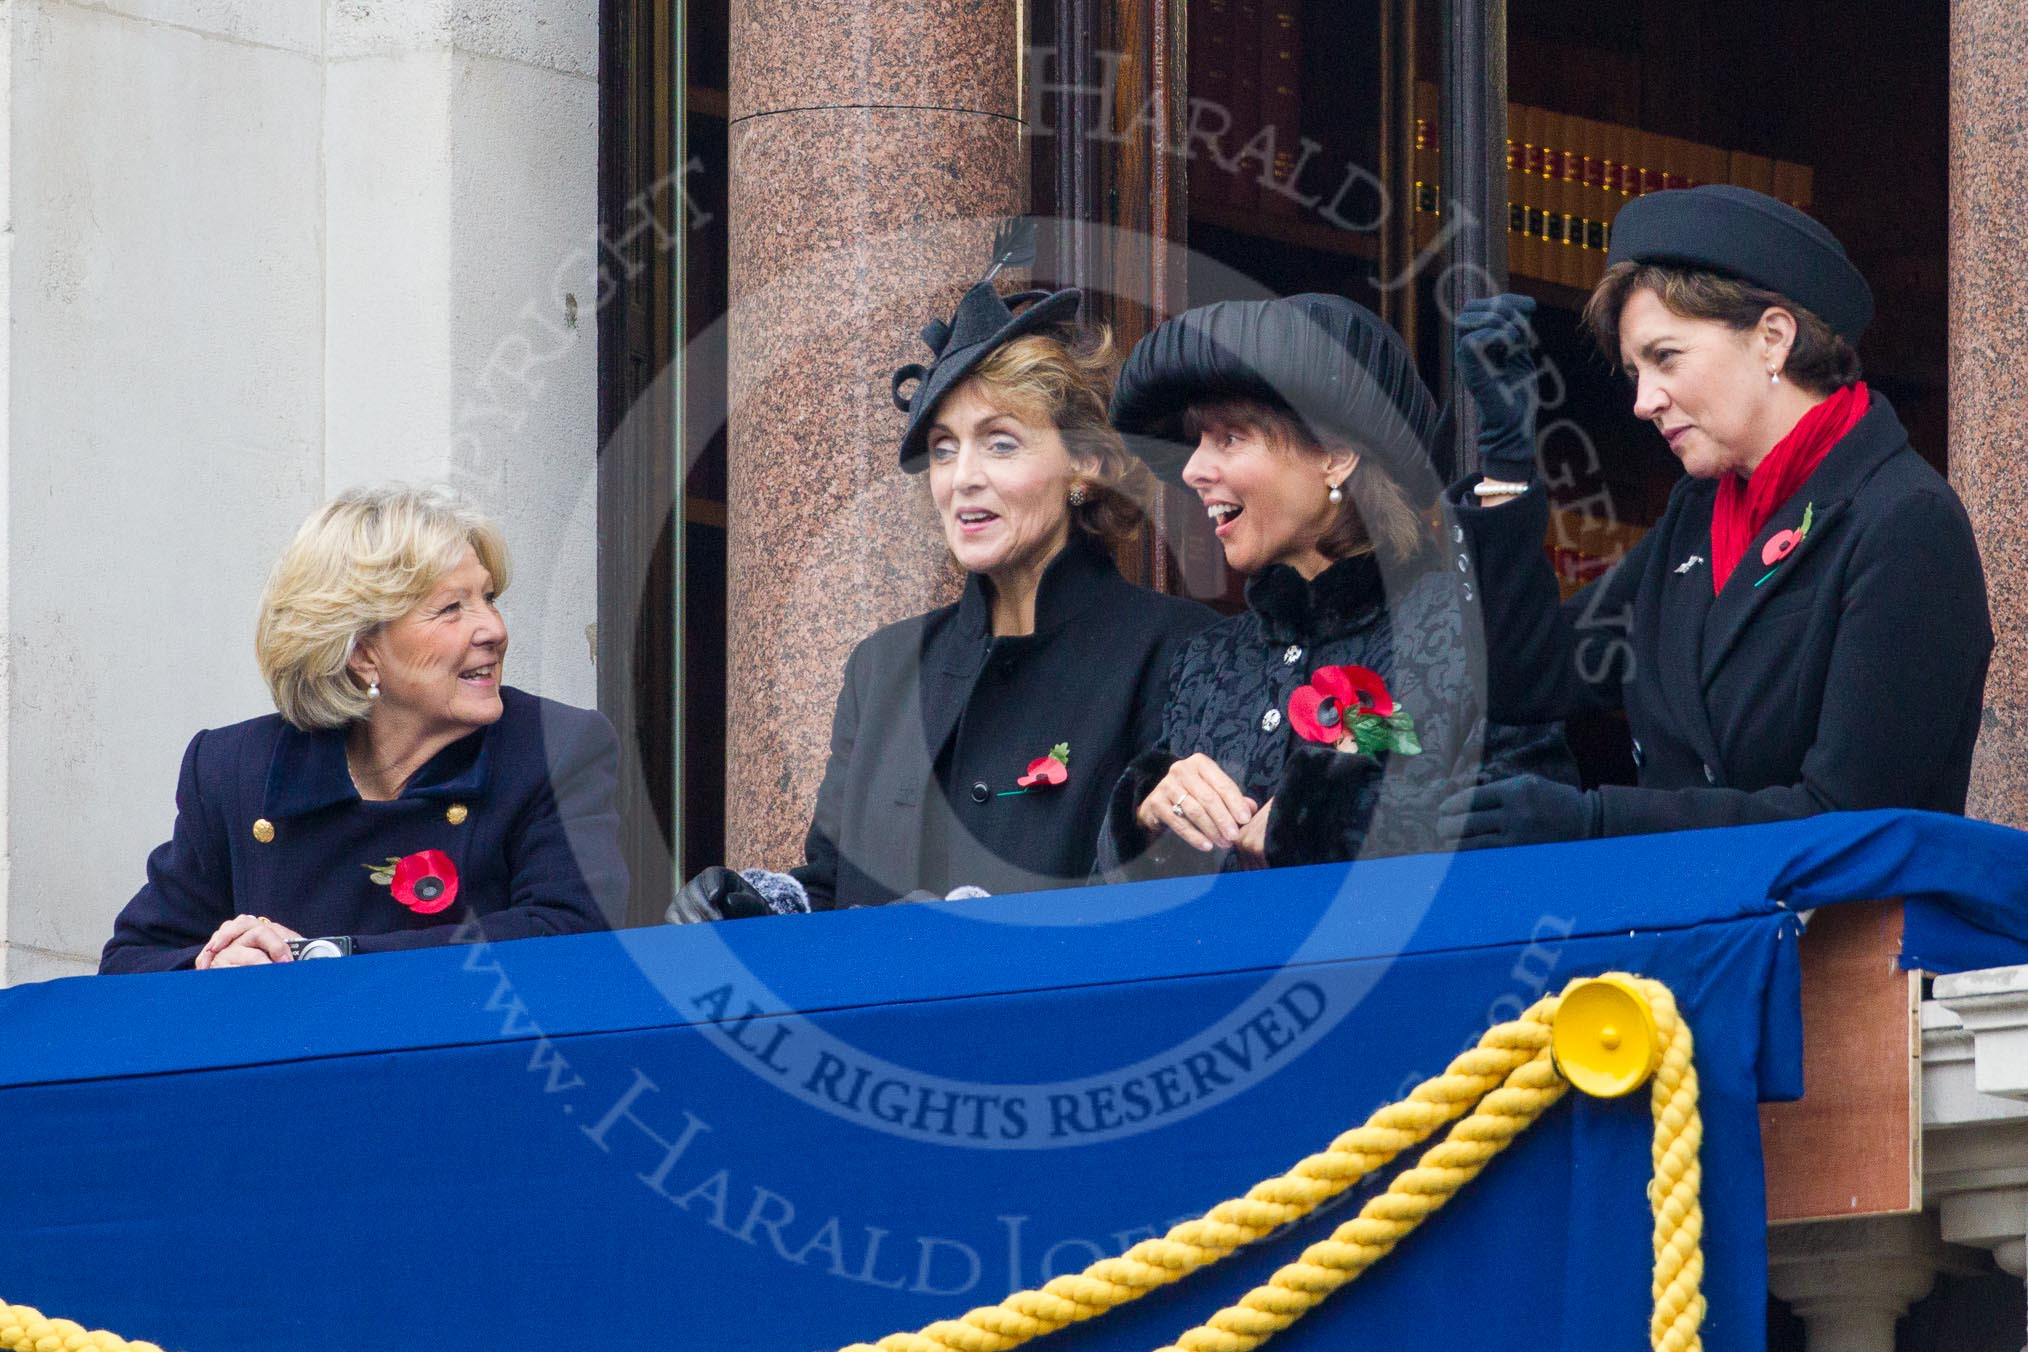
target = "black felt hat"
x: 984, y: 322
x: 1333, y: 363
x: 1751, y: 236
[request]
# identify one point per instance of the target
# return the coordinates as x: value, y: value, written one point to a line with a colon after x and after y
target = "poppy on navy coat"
x: 1848, y: 674
x: 268, y: 822
x: 938, y: 720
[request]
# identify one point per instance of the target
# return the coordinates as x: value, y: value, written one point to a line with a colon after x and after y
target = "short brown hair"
x: 1065, y: 377
x: 1820, y: 360
x: 1376, y: 515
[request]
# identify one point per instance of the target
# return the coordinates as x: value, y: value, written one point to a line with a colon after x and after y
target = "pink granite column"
x: 1988, y: 353
x: 873, y: 142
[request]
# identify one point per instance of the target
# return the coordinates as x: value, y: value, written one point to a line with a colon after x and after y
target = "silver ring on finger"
x: 1177, y: 806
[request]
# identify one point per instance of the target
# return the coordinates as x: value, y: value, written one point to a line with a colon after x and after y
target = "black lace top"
x: 1229, y: 699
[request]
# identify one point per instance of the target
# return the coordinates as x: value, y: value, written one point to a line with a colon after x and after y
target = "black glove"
x: 716, y: 894
x: 1496, y: 362
x: 1525, y: 810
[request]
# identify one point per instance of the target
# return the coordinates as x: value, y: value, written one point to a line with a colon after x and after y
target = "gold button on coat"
x: 456, y: 814
x: 263, y: 830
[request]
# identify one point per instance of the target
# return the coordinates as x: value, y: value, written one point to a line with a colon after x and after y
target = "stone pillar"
x: 871, y: 146
x: 1851, y: 1281
x: 1989, y: 318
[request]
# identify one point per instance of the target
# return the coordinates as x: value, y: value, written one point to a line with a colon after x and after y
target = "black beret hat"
x: 1334, y: 364
x: 1751, y: 236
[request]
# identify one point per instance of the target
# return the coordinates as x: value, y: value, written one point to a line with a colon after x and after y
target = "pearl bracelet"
x: 1497, y: 488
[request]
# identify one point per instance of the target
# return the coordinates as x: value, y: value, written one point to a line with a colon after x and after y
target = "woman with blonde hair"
x: 401, y: 795
x: 973, y: 746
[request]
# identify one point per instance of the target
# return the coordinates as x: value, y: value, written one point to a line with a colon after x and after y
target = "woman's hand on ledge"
x: 1200, y: 803
x: 247, y: 941
x: 1252, y: 842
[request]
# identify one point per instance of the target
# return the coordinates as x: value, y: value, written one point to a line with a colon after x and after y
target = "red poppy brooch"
x: 1350, y: 708
x: 426, y: 882
x: 1783, y: 543
x: 1046, y: 772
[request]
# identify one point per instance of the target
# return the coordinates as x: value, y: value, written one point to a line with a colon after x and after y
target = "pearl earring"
x: 1337, y: 495
x: 373, y: 690
x: 1774, y: 378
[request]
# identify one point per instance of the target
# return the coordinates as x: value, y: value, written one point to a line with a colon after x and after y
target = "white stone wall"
x: 257, y: 251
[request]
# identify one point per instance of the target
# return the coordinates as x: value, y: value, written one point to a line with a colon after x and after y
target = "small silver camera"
x: 335, y: 946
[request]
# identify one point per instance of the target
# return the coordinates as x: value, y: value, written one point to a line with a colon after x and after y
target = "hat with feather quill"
x: 984, y: 322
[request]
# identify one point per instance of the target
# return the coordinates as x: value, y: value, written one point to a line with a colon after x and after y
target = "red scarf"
x: 1744, y: 506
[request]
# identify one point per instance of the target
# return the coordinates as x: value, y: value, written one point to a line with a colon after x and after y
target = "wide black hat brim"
x: 1333, y: 364
x: 1749, y: 235
x: 953, y: 366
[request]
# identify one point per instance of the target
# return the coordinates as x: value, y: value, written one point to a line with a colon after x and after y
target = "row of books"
x: 1568, y: 176
x: 1246, y: 60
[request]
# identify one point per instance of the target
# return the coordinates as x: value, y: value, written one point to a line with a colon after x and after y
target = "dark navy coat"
x: 269, y: 823
x: 939, y: 719
x: 1848, y: 675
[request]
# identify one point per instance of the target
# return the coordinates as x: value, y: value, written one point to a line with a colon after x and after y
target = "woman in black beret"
x: 973, y: 746
x: 1330, y: 718
x: 1805, y: 630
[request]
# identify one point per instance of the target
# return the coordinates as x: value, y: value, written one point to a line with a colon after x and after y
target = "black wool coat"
x: 268, y: 823
x: 938, y: 719
x: 1848, y: 675
x: 1416, y: 626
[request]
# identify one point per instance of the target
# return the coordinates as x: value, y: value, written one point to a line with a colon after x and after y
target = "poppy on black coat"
x: 268, y: 821
x: 1412, y: 624
x: 1849, y: 674
x: 938, y: 719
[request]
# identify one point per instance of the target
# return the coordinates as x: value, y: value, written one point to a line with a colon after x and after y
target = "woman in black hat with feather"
x: 1805, y: 630
x: 973, y: 746
x: 1328, y: 720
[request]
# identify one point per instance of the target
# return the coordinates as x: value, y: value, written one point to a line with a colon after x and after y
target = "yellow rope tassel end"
x: 25, y: 1330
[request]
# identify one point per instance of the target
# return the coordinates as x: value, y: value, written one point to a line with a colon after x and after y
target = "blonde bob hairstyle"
x: 1064, y: 378
x: 364, y: 558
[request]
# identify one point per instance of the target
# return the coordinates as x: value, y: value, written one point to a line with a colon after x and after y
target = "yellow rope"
x: 26, y: 1330
x: 1270, y: 1204
x: 1675, y: 1191
x: 1383, y: 1222
x: 1508, y: 1081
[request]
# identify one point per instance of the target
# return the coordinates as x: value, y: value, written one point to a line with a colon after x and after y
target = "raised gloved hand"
x: 1524, y: 810
x: 1496, y: 363
x: 717, y: 894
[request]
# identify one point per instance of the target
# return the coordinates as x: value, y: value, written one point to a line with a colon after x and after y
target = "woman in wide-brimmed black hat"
x: 973, y: 746
x: 1806, y: 627
x: 1329, y: 719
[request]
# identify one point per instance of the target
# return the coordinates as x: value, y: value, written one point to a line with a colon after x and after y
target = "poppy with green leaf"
x: 1044, y: 772
x: 1350, y: 708
x: 1783, y: 543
